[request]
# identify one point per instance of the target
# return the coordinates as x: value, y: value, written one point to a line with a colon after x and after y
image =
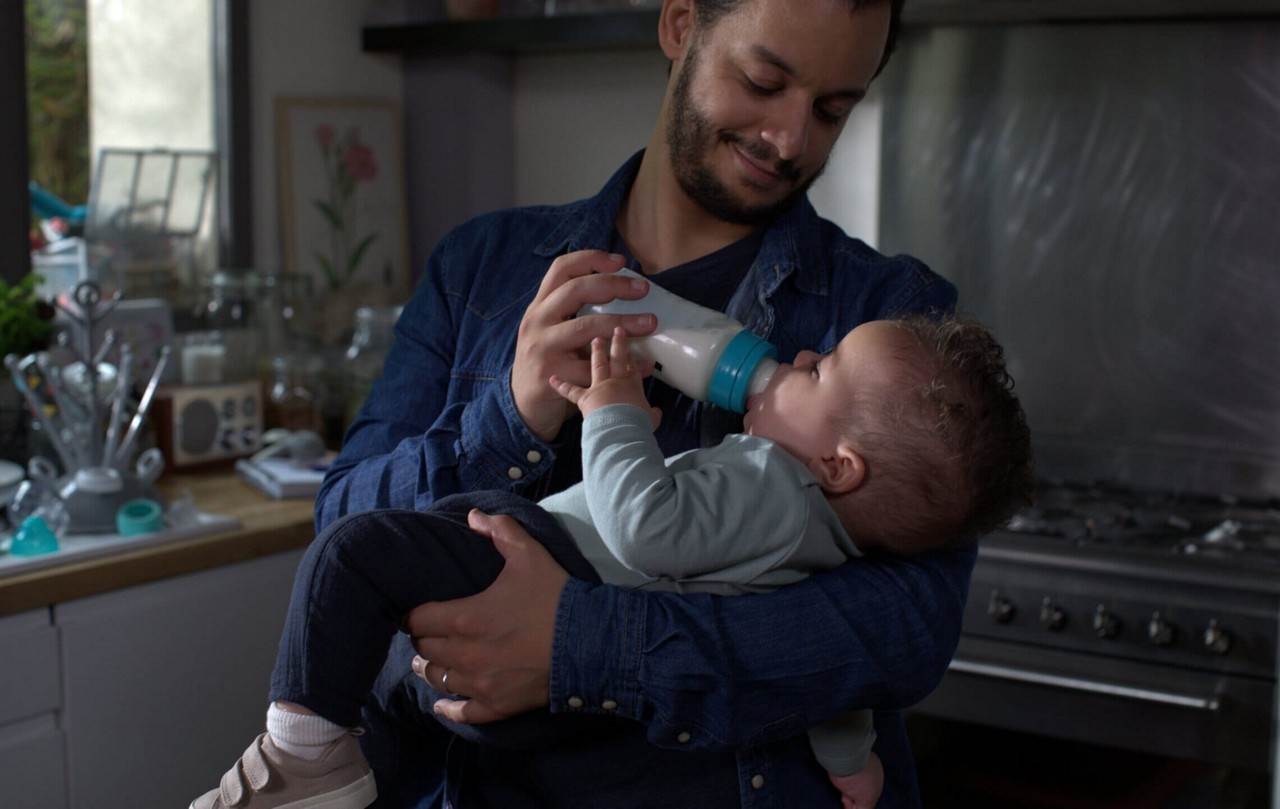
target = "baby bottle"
x: 698, y: 351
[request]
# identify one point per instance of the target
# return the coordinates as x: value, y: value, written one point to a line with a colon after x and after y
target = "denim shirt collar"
x: 789, y: 246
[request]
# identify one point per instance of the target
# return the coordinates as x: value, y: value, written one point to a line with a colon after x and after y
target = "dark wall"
x: 14, y: 206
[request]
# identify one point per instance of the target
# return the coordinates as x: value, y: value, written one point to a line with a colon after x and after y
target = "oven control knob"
x: 1217, y: 639
x: 1000, y: 608
x: 1105, y: 625
x: 1051, y: 616
x: 1159, y: 631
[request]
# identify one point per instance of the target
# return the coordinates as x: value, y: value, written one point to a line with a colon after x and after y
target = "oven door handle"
x: 1211, y: 704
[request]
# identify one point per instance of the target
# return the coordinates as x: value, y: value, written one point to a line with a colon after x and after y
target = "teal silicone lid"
x: 737, y: 363
x: 141, y: 516
x: 33, y: 538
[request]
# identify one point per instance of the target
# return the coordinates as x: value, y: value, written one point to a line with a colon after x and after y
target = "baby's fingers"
x: 568, y: 390
x: 600, y: 369
x: 620, y: 363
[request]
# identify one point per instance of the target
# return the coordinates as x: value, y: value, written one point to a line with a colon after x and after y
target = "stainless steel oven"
x: 1135, y: 621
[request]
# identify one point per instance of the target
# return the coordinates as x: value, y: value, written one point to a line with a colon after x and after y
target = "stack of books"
x: 284, y: 478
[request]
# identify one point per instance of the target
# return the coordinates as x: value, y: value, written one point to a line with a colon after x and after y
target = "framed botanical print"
x: 343, y: 216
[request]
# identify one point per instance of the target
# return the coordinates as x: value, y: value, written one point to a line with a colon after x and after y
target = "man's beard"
x: 691, y: 137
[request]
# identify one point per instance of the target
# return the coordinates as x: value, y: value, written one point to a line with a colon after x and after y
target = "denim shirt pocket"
x: 781, y: 728
x: 495, y: 301
x: 489, y: 312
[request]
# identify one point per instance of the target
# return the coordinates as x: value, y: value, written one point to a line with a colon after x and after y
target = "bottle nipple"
x: 760, y: 379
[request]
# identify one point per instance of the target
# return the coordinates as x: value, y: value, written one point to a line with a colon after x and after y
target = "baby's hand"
x: 614, y: 380
x: 860, y: 790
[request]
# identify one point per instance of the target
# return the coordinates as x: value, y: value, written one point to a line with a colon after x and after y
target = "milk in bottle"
x: 700, y: 352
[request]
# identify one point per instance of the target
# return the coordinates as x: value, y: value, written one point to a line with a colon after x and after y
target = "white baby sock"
x: 301, y: 734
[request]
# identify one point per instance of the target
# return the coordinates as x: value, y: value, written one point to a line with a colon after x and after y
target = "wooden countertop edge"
x: 267, y: 527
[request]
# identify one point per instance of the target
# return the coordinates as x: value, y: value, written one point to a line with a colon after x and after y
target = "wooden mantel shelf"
x: 267, y: 527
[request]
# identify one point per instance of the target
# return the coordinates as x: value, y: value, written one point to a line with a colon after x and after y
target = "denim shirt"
x: 727, y: 684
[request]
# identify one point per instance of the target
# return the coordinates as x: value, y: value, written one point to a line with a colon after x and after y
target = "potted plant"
x: 26, y: 320
x: 26, y: 323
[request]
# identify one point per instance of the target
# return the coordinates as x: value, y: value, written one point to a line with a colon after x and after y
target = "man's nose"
x: 787, y: 129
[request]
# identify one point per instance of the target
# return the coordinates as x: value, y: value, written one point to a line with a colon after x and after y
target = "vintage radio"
x: 199, y: 425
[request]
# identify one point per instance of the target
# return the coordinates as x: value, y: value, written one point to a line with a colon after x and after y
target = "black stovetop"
x: 1103, y: 516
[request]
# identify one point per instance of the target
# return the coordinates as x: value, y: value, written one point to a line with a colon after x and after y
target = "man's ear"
x: 842, y: 471
x: 675, y: 27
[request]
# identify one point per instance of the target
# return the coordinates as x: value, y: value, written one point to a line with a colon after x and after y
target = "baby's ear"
x: 842, y: 471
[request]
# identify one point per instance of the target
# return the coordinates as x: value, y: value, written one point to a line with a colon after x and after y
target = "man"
x: 678, y: 701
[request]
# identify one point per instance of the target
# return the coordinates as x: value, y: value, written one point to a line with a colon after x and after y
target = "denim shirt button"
x: 575, y: 702
x: 533, y: 456
x: 757, y: 781
x: 515, y: 473
x: 609, y: 705
x: 684, y: 737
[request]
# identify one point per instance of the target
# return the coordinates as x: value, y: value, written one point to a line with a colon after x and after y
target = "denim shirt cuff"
x: 509, y: 458
x: 596, y: 651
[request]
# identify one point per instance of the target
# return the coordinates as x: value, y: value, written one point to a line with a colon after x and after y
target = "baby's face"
x: 807, y: 402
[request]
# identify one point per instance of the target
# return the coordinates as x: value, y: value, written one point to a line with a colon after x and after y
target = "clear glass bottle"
x: 295, y: 399
x: 368, y: 350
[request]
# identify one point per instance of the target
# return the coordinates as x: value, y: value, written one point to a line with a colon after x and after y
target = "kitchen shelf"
x: 623, y: 29
x: 638, y: 29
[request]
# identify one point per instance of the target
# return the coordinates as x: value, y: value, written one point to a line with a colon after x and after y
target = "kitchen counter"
x: 267, y: 527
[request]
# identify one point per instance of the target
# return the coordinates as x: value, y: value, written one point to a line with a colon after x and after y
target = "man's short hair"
x: 709, y: 12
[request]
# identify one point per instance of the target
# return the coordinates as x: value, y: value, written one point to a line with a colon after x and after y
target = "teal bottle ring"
x: 141, y: 516
x: 731, y: 378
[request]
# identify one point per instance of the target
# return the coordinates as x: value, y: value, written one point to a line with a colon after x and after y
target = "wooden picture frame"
x: 342, y: 195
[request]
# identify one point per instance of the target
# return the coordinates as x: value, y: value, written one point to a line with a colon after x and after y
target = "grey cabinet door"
x: 166, y: 683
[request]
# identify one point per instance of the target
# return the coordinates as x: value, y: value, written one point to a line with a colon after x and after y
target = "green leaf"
x: 327, y: 267
x: 25, y: 320
x: 335, y: 218
x: 358, y: 253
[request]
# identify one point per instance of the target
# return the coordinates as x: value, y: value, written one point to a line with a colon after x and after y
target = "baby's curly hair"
x: 947, y: 446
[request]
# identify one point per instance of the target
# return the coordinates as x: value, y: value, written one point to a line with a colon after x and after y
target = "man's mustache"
x: 758, y: 151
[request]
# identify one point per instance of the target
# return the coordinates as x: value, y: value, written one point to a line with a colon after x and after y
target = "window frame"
x: 233, y: 137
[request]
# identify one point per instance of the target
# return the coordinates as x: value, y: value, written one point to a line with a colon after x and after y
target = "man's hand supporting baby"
x: 494, y: 646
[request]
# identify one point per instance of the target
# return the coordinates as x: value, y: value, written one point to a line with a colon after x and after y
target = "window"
x: 126, y: 76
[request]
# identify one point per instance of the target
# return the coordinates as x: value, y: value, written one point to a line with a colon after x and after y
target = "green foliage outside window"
x: 58, y: 96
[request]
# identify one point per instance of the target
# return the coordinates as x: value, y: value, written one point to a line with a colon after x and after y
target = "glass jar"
x: 368, y: 350
x: 204, y: 358
x: 284, y: 312
x: 226, y: 305
x: 295, y: 398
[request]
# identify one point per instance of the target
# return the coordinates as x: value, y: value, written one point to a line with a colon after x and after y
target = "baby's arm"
x: 843, y: 747
x: 670, y: 521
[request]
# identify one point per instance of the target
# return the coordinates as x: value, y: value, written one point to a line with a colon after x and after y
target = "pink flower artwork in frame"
x: 343, y: 217
x: 348, y: 162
